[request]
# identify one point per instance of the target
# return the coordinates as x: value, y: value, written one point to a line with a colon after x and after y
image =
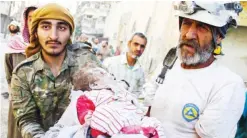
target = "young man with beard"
x: 126, y: 67
x: 200, y: 98
x: 41, y: 84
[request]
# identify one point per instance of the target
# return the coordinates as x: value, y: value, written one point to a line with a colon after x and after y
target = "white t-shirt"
x: 195, y: 103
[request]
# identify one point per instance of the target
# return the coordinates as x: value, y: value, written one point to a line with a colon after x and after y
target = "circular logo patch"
x: 190, y: 112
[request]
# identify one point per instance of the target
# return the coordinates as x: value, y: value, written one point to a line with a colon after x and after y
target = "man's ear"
x: 218, y: 39
x: 129, y: 43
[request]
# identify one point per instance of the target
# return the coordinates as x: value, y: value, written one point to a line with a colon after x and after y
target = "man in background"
x: 127, y: 67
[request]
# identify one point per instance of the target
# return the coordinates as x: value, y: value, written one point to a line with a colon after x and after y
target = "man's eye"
x: 142, y: 46
x: 203, y: 26
x: 62, y: 28
x: 186, y: 23
x: 45, y: 27
x: 136, y: 44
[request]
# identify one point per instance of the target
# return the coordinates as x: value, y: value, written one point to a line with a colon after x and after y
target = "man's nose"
x: 192, y: 32
x: 54, y: 33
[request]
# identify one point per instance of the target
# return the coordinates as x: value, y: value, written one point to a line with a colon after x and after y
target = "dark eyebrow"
x: 45, y: 22
x: 139, y: 44
x: 63, y: 23
x: 59, y: 23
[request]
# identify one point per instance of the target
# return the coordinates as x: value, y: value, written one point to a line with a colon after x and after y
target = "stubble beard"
x: 53, y: 53
x: 201, y: 55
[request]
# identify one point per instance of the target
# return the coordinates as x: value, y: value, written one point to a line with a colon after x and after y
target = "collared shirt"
x: 118, y: 66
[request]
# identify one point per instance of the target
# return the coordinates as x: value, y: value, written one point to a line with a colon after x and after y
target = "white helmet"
x: 217, y: 14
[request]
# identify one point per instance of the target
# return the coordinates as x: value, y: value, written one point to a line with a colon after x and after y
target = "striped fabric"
x: 115, y: 111
x: 110, y: 120
x: 16, y: 43
x: 25, y: 31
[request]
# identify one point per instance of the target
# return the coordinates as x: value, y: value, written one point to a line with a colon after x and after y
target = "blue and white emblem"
x: 190, y: 112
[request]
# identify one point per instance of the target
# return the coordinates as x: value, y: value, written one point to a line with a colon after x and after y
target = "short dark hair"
x: 140, y: 35
x: 31, y: 8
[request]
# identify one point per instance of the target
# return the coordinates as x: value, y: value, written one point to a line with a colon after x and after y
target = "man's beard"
x: 53, y: 53
x: 201, y: 55
x: 14, y: 31
x: 133, y: 55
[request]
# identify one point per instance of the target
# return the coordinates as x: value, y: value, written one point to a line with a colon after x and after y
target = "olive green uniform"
x: 39, y: 99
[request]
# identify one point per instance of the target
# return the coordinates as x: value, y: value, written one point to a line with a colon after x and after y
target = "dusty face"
x: 53, y: 35
x: 137, y: 46
x: 195, y: 44
x: 102, y: 75
x: 29, y: 19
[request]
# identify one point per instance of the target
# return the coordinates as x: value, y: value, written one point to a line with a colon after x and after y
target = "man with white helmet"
x: 200, y: 98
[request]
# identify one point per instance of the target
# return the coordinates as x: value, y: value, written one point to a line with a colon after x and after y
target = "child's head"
x: 90, y: 74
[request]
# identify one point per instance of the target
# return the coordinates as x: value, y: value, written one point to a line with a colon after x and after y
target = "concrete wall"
x: 4, y: 7
x: 235, y: 50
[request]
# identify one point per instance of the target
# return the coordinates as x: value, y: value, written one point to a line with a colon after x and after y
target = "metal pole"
x: 6, y: 21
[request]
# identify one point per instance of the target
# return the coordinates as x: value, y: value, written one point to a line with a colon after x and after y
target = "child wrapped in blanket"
x: 102, y: 107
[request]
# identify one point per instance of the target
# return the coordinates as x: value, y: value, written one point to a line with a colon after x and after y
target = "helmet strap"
x: 214, y: 36
x: 217, y: 47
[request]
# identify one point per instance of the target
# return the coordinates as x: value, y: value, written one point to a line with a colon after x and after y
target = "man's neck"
x: 54, y: 62
x: 201, y: 65
x: 131, y: 61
